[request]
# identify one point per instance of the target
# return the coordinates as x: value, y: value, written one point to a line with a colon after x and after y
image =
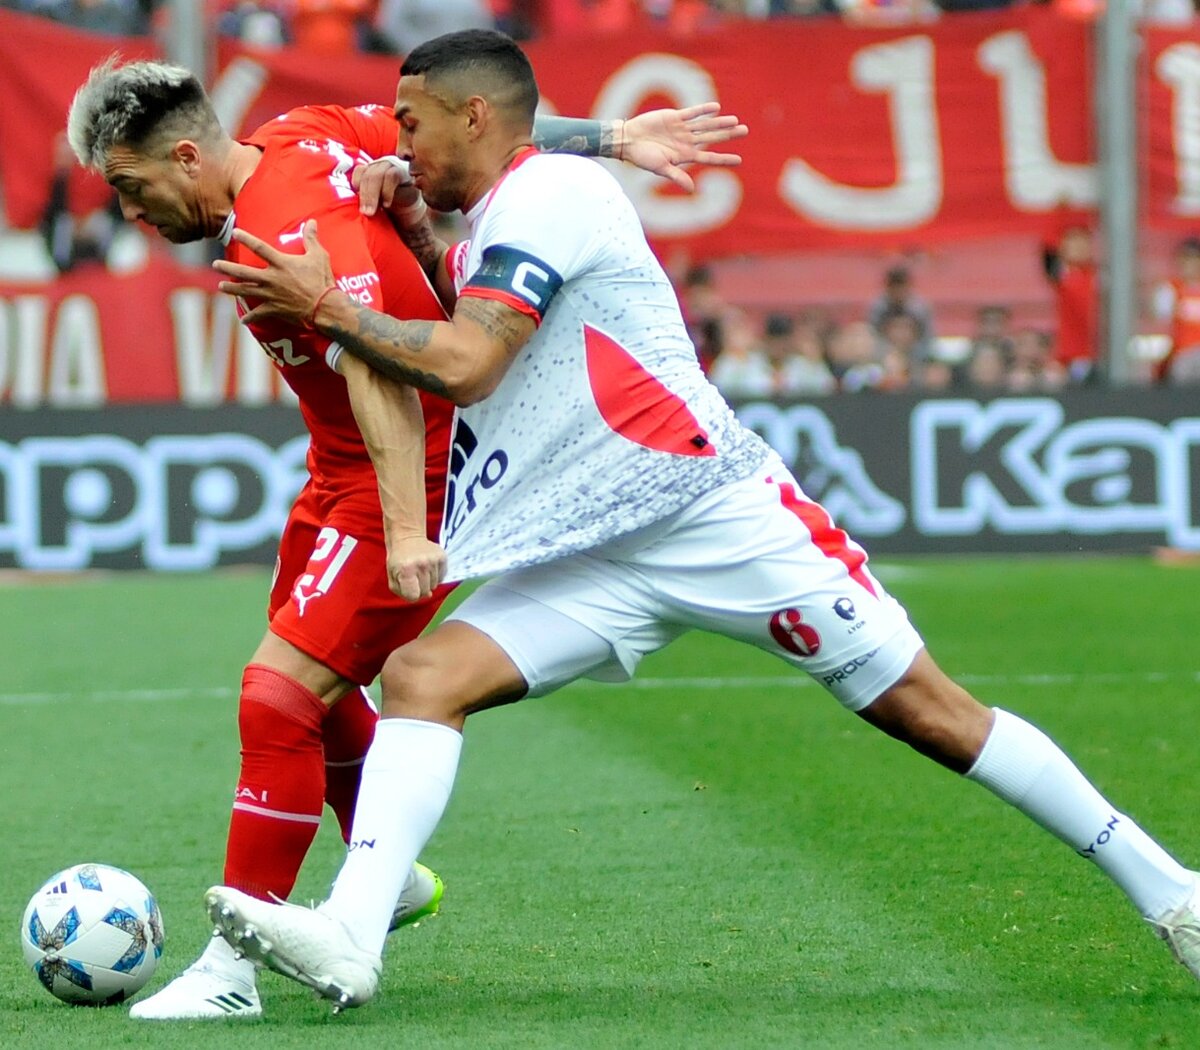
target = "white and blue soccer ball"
x: 92, y: 934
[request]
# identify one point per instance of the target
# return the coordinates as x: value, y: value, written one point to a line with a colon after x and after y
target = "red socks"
x: 281, y: 789
x: 348, y: 731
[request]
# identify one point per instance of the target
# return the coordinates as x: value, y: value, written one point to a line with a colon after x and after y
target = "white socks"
x: 219, y: 957
x: 406, y: 782
x: 1026, y: 769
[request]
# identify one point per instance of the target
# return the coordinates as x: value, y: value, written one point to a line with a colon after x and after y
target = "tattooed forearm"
x: 586, y: 138
x: 372, y: 335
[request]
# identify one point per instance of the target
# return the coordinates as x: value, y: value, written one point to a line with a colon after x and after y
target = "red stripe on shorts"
x: 830, y: 540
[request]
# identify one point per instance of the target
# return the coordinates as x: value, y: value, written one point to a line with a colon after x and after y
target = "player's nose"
x: 130, y: 211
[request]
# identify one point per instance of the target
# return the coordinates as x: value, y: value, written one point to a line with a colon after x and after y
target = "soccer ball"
x: 93, y: 935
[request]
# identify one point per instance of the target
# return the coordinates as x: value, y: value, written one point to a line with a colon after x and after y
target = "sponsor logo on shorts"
x: 844, y: 607
x: 847, y: 669
x: 791, y: 632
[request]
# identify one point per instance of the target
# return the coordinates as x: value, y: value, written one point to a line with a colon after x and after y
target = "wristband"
x: 312, y: 314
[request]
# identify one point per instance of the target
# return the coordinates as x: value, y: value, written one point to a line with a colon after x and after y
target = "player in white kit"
x: 620, y: 503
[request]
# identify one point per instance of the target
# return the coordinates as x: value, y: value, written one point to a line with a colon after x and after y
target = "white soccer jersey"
x: 604, y: 423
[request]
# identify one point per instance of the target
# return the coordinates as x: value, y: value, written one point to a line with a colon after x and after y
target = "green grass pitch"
x: 717, y: 856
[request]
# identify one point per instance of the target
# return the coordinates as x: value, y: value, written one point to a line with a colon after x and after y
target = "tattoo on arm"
x: 500, y: 322
x: 425, y: 244
x: 374, y: 330
x: 585, y: 138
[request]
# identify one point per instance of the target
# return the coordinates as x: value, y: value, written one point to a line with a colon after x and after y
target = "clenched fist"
x: 415, y: 566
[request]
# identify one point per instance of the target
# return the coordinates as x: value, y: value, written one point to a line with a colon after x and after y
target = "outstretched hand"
x: 663, y: 140
x: 288, y: 287
x: 415, y: 567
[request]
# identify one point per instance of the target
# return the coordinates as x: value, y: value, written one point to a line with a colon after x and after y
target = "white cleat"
x: 1181, y: 930
x: 301, y: 943
x: 200, y: 993
x: 420, y: 898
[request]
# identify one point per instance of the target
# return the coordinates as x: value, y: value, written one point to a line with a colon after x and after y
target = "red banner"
x: 163, y: 333
x: 975, y: 125
x: 1170, y: 105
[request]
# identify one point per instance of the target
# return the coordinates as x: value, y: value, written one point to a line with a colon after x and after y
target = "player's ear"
x: 479, y: 115
x: 187, y: 154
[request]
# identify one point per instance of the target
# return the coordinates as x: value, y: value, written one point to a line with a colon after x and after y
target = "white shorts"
x: 754, y: 560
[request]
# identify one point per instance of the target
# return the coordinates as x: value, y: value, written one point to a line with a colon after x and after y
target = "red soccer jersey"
x: 1185, y: 324
x: 305, y: 174
x: 1078, y: 314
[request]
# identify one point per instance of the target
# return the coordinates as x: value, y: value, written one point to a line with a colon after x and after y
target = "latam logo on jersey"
x: 358, y: 286
x: 469, y: 476
x: 791, y: 632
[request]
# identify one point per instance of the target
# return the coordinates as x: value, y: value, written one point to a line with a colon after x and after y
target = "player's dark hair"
x: 489, y: 61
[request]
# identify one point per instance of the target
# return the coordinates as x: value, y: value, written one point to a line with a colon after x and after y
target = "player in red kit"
x: 304, y: 720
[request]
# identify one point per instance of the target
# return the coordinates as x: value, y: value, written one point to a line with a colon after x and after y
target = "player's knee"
x: 414, y: 685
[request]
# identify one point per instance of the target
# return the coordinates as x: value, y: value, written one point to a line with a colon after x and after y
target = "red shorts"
x: 330, y: 596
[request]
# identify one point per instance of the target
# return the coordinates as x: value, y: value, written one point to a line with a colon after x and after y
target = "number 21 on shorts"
x: 332, y: 550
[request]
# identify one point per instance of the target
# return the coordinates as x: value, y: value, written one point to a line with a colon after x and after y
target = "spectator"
x: 729, y: 348
x: 987, y: 367
x: 935, y: 375
x: 898, y: 298
x: 992, y: 326
x: 403, y: 24
x: 110, y: 17
x: 252, y: 23
x: 853, y: 358
x: 898, y: 350
x: 1033, y: 368
x: 1071, y: 268
x: 1177, y: 302
x: 70, y: 241
x: 784, y: 363
x: 329, y: 27
x: 704, y: 313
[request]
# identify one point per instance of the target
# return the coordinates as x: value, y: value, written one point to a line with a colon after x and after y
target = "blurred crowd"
x: 893, y: 344
x: 395, y: 26
x: 891, y: 347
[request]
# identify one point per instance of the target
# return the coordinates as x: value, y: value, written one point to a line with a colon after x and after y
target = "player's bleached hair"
x: 489, y: 63
x: 136, y: 105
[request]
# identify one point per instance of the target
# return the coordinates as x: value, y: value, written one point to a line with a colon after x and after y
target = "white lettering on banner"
x: 181, y: 501
x: 210, y: 344
x: 839, y: 480
x: 52, y: 356
x: 1023, y: 447
x: 1179, y: 68
x: 1035, y: 179
x: 76, y: 356
x: 904, y: 69
x: 686, y: 83
x: 234, y: 92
